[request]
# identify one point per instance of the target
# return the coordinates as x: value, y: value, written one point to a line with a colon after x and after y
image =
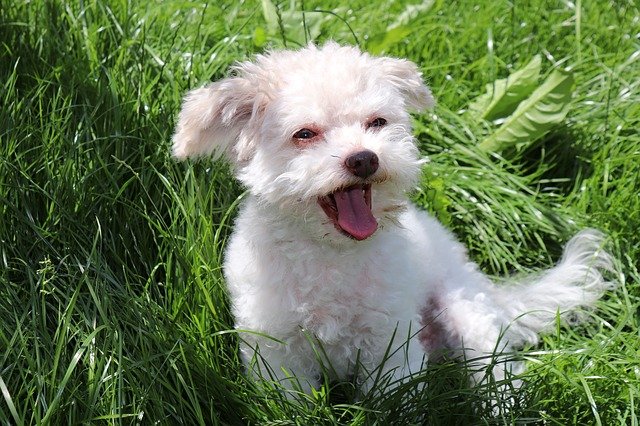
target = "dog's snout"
x: 362, y: 164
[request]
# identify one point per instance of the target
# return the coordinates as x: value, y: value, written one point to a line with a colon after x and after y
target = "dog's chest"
x: 341, y: 304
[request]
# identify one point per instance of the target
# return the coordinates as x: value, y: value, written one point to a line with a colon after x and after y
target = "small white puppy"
x: 327, y: 245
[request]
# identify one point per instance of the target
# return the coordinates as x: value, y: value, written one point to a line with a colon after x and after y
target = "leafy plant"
x: 505, y: 94
x: 535, y: 116
x: 537, y: 109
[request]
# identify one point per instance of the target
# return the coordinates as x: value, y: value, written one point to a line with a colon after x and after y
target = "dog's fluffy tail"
x: 576, y: 282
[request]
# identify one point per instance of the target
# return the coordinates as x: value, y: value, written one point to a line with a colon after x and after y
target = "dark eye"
x: 376, y: 122
x: 304, y: 134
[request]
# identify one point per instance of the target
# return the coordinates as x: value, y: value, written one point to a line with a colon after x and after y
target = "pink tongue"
x: 354, y: 215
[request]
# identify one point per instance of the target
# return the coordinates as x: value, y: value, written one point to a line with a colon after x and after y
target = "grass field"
x: 112, y: 301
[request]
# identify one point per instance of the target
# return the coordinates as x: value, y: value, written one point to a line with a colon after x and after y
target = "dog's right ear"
x: 406, y: 76
x: 213, y: 117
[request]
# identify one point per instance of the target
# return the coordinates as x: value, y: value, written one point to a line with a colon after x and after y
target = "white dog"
x: 328, y: 249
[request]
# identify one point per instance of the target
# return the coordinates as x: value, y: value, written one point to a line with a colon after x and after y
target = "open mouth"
x: 350, y: 211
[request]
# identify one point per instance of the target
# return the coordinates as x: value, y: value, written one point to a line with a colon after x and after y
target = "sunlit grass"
x: 112, y: 301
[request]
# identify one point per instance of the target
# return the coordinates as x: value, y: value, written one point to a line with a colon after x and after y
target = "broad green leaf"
x: 382, y: 42
x: 270, y: 13
x: 535, y: 116
x: 292, y: 22
x: 296, y: 26
x: 399, y: 29
x: 411, y: 12
x: 503, y: 95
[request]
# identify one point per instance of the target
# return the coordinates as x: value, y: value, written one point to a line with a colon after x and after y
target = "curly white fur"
x: 294, y: 272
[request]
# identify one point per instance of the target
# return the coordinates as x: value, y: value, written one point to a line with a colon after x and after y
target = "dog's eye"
x: 376, y: 122
x: 304, y: 134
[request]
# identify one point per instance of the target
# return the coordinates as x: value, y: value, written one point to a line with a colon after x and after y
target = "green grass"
x: 112, y: 301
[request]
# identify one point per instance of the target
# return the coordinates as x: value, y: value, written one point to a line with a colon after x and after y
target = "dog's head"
x: 323, y: 134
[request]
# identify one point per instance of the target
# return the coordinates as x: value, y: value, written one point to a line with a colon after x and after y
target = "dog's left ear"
x: 406, y: 76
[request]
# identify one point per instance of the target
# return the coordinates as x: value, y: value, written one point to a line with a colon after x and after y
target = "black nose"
x: 362, y: 164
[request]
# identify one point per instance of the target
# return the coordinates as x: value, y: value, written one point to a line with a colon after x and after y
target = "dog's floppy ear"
x: 213, y: 117
x: 408, y: 79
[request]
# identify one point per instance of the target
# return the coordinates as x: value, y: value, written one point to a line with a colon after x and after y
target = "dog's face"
x: 323, y: 134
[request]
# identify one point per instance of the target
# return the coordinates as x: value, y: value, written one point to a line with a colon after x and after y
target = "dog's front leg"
x: 287, y: 363
x: 403, y: 359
